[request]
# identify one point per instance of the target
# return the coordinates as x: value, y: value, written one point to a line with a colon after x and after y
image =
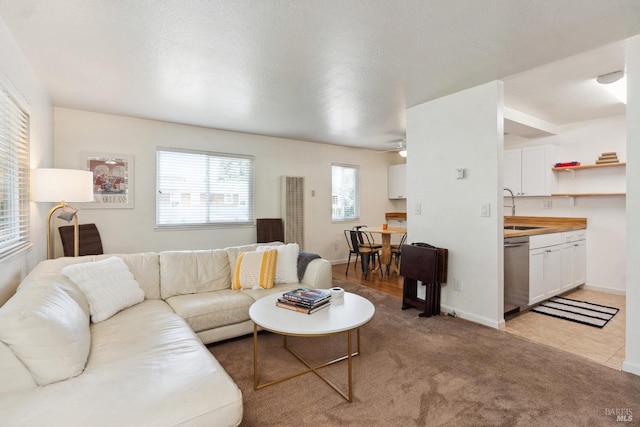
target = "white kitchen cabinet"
x: 397, y: 181
x: 528, y: 171
x: 579, y: 263
x: 512, y: 171
x: 545, y: 266
x: 567, y: 267
x: 536, y: 276
x: 574, y: 259
x: 557, y: 263
x: 545, y: 273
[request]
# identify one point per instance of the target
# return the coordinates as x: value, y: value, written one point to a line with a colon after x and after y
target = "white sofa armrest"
x: 318, y: 274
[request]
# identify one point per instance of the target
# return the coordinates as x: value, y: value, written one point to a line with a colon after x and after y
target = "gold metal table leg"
x: 315, y: 369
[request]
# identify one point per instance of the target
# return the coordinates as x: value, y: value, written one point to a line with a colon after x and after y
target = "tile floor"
x: 604, y: 345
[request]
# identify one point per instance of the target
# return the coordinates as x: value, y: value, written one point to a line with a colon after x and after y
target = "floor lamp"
x: 62, y: 185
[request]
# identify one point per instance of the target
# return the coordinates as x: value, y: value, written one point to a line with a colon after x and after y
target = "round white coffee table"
x: 343, y: 316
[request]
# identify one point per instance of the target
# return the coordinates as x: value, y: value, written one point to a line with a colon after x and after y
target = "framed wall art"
x: 112, y: 179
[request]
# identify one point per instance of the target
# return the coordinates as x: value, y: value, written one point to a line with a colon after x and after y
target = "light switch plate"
x: 417, y: 209
x: 485, y: 210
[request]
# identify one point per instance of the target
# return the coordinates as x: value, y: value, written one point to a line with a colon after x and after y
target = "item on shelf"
x: 302, y: 308
x: 307, y: 296
x: 567, y: 164
x: 609, y: 157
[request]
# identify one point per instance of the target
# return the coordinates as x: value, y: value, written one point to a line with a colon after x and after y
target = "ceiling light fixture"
x: 615, y: 83
x: 402, y: 145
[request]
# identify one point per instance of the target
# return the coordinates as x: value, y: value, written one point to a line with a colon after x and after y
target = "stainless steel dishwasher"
x: 516, y: 274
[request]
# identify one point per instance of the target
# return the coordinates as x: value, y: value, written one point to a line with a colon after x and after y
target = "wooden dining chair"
x: 365, y: 251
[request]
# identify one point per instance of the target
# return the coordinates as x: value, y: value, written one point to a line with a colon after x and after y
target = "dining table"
x: 385, y: 256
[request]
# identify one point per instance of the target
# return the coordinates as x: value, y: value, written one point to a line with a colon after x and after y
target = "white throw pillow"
x: 287, y: 265
x: 108, y: 285
x: 48, y: 331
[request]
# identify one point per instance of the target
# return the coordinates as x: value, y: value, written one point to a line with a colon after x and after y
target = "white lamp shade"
x: 55, y: 185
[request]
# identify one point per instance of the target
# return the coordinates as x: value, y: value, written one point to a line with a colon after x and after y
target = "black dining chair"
x: 352, y: 250
x: 371, y: 242
x: 396, y: 252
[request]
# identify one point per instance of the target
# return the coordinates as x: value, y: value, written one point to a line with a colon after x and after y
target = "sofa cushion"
x: 255, y: 270
x: 15, y: 376
x: 287, y: 264
x: 48, y: 331
x: 108, y: 285
x: 190, y: 272
x: 144, y: 267
x: 208, y: 310
x: 147, y: 368
x: 234, y: 251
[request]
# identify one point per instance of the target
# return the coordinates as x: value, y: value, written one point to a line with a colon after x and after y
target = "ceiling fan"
x: 401, y: 147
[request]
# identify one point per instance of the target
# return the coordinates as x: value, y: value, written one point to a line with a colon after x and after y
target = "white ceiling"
x: 333, y: 71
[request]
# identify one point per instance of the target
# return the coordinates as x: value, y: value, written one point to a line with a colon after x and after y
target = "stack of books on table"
x: 305, y: 300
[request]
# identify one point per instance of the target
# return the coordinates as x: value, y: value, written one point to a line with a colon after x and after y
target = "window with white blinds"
x: 14, y: 175
x: 197, y: 188
x: 345, y: 193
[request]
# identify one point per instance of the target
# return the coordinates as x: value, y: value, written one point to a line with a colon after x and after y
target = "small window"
x: 14, y: 175
x: 345, y: 193
x: 196, y: 188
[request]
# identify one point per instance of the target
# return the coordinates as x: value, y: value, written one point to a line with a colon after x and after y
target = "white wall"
x: 606, y: 216
x: 132, y: 230
x: 18, y: 75
x: 463, y: 130
x: 632, y: 350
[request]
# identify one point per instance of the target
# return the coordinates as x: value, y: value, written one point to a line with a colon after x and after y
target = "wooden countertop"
x: 547, y: 224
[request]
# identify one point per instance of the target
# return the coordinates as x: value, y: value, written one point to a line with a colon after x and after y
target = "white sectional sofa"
x: 146, y: 365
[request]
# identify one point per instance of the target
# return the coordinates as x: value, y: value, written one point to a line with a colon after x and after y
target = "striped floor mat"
x: 577, y: 311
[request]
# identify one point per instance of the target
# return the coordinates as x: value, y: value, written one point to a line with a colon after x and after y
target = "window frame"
x: 357, y: 202
x: 208, y: 155
x: 17, y: 163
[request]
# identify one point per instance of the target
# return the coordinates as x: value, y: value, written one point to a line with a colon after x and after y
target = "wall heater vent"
x: 292, y: 209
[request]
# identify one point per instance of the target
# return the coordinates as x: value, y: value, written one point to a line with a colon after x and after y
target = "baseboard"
x: 631, y: 367
x: 472, y: 317
x: 605, y: 290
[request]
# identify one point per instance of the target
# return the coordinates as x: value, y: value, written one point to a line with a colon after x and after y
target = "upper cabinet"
x: 528, y: 171
x: 397, y: 181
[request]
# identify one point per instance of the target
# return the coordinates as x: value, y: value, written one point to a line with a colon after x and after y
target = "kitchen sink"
x: 520, y: 227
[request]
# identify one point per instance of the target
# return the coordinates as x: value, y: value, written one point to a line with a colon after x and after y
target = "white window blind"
x: 345, y: 193
x: 14, y: 175
x: 196, y: 188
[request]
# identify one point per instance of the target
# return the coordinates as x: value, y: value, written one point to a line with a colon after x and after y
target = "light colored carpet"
x: 438, y: 371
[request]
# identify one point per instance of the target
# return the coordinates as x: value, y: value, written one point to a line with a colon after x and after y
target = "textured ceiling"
x: 333, y: 71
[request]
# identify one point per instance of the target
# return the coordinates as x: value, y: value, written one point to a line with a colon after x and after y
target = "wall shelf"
x: 587, y: 194
x: 572, y: 196
x: 572, y: 169
x: 575, y: 168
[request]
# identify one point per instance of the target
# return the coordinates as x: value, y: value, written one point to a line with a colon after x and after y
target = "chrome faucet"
x: 513, y: 202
